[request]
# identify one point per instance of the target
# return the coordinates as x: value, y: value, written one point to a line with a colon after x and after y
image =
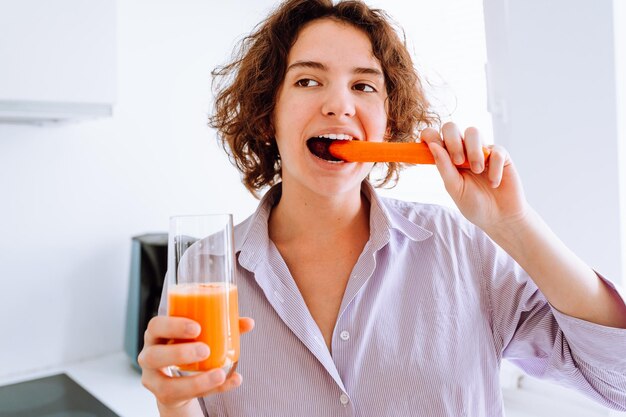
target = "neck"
x: 306, y: 215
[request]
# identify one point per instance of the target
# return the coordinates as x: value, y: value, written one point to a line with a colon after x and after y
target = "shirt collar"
x: 252, y: 237
x: 390, y: 214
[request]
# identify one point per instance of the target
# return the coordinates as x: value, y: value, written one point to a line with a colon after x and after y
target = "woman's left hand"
x: 489, y: 195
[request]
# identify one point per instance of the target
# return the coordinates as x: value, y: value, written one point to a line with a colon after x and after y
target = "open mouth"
x: 320, y: 147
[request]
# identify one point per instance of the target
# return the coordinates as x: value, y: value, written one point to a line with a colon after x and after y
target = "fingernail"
x: 202, y: 351
x: 192, y: 329
x: 477, y: 167
x: 459, y: 158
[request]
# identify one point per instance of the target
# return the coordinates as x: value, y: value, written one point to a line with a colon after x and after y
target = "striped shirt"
x: 431, y: 308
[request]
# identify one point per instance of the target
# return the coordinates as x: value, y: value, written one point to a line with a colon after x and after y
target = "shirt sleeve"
x: 546, y: 343
x: 593, y: 343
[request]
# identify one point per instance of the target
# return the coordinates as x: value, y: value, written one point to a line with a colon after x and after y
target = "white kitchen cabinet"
x: 57, y: 60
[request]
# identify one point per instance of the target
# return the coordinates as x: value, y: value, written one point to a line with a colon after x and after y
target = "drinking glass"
x: 201, y: 286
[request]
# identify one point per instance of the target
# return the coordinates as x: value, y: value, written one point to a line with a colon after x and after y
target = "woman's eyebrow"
x: 368, y: 70
x: 322, y: 67
x: 307, y: 64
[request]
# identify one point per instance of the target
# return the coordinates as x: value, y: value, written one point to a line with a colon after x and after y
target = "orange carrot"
x: 410, y: 153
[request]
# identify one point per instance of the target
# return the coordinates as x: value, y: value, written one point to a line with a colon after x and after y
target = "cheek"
x: 375, y: 123
x: 279, y: 115
x: 287, y: 123
x: 291, y: 117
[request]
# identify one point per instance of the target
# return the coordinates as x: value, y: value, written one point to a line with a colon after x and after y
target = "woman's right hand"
x: 175, y: 394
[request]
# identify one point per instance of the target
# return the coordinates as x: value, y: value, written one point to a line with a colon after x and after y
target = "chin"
x: 326, y: 179
x: 334, y: 187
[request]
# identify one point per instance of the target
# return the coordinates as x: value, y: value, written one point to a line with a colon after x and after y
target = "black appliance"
x: 147, y: 272
x: 52, y: 396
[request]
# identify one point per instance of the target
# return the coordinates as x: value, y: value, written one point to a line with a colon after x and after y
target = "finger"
x: 165, y: 327
x: 474, y: 150
x: 497, y: 161
x: 246, y: 324
x: 454, y: 142
x: 162, y: 356
x: 430, y: 135
x: 449, y: 173
x: 171, y: 390
x: 233, y: 381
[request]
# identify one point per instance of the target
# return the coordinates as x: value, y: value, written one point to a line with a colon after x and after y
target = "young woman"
x: 371, y: 306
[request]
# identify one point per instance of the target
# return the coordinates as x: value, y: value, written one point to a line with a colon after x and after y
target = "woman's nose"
x: 339, y: 102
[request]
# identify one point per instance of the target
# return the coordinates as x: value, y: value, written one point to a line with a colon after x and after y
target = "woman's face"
x: 333, y: 86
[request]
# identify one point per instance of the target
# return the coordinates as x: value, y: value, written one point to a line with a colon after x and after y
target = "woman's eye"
x: 366, y: 88
x: 307, y: 82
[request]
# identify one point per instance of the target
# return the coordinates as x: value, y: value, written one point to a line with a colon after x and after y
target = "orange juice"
x: 214, y: 307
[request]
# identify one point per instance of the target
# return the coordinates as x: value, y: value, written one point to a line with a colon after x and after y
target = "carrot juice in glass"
x: 201, y: 286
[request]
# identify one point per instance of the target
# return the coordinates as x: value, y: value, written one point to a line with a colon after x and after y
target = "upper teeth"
x: 339, y: 136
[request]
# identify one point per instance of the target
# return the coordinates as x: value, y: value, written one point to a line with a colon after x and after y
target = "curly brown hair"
x: 246, y: 88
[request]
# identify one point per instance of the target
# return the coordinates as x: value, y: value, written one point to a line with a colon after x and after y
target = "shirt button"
x: 345, y: 335
x: 343, y: 399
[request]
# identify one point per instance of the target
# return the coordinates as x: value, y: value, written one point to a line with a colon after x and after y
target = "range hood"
x: 40, y: 112
x: 58, y: 60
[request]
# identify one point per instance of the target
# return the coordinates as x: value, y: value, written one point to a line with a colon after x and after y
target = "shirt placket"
x: 345, y: 337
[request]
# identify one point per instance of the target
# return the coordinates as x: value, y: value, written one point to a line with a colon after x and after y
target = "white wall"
x: 555, y: 83
x: 553, y: 74
x: 73, y: 195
